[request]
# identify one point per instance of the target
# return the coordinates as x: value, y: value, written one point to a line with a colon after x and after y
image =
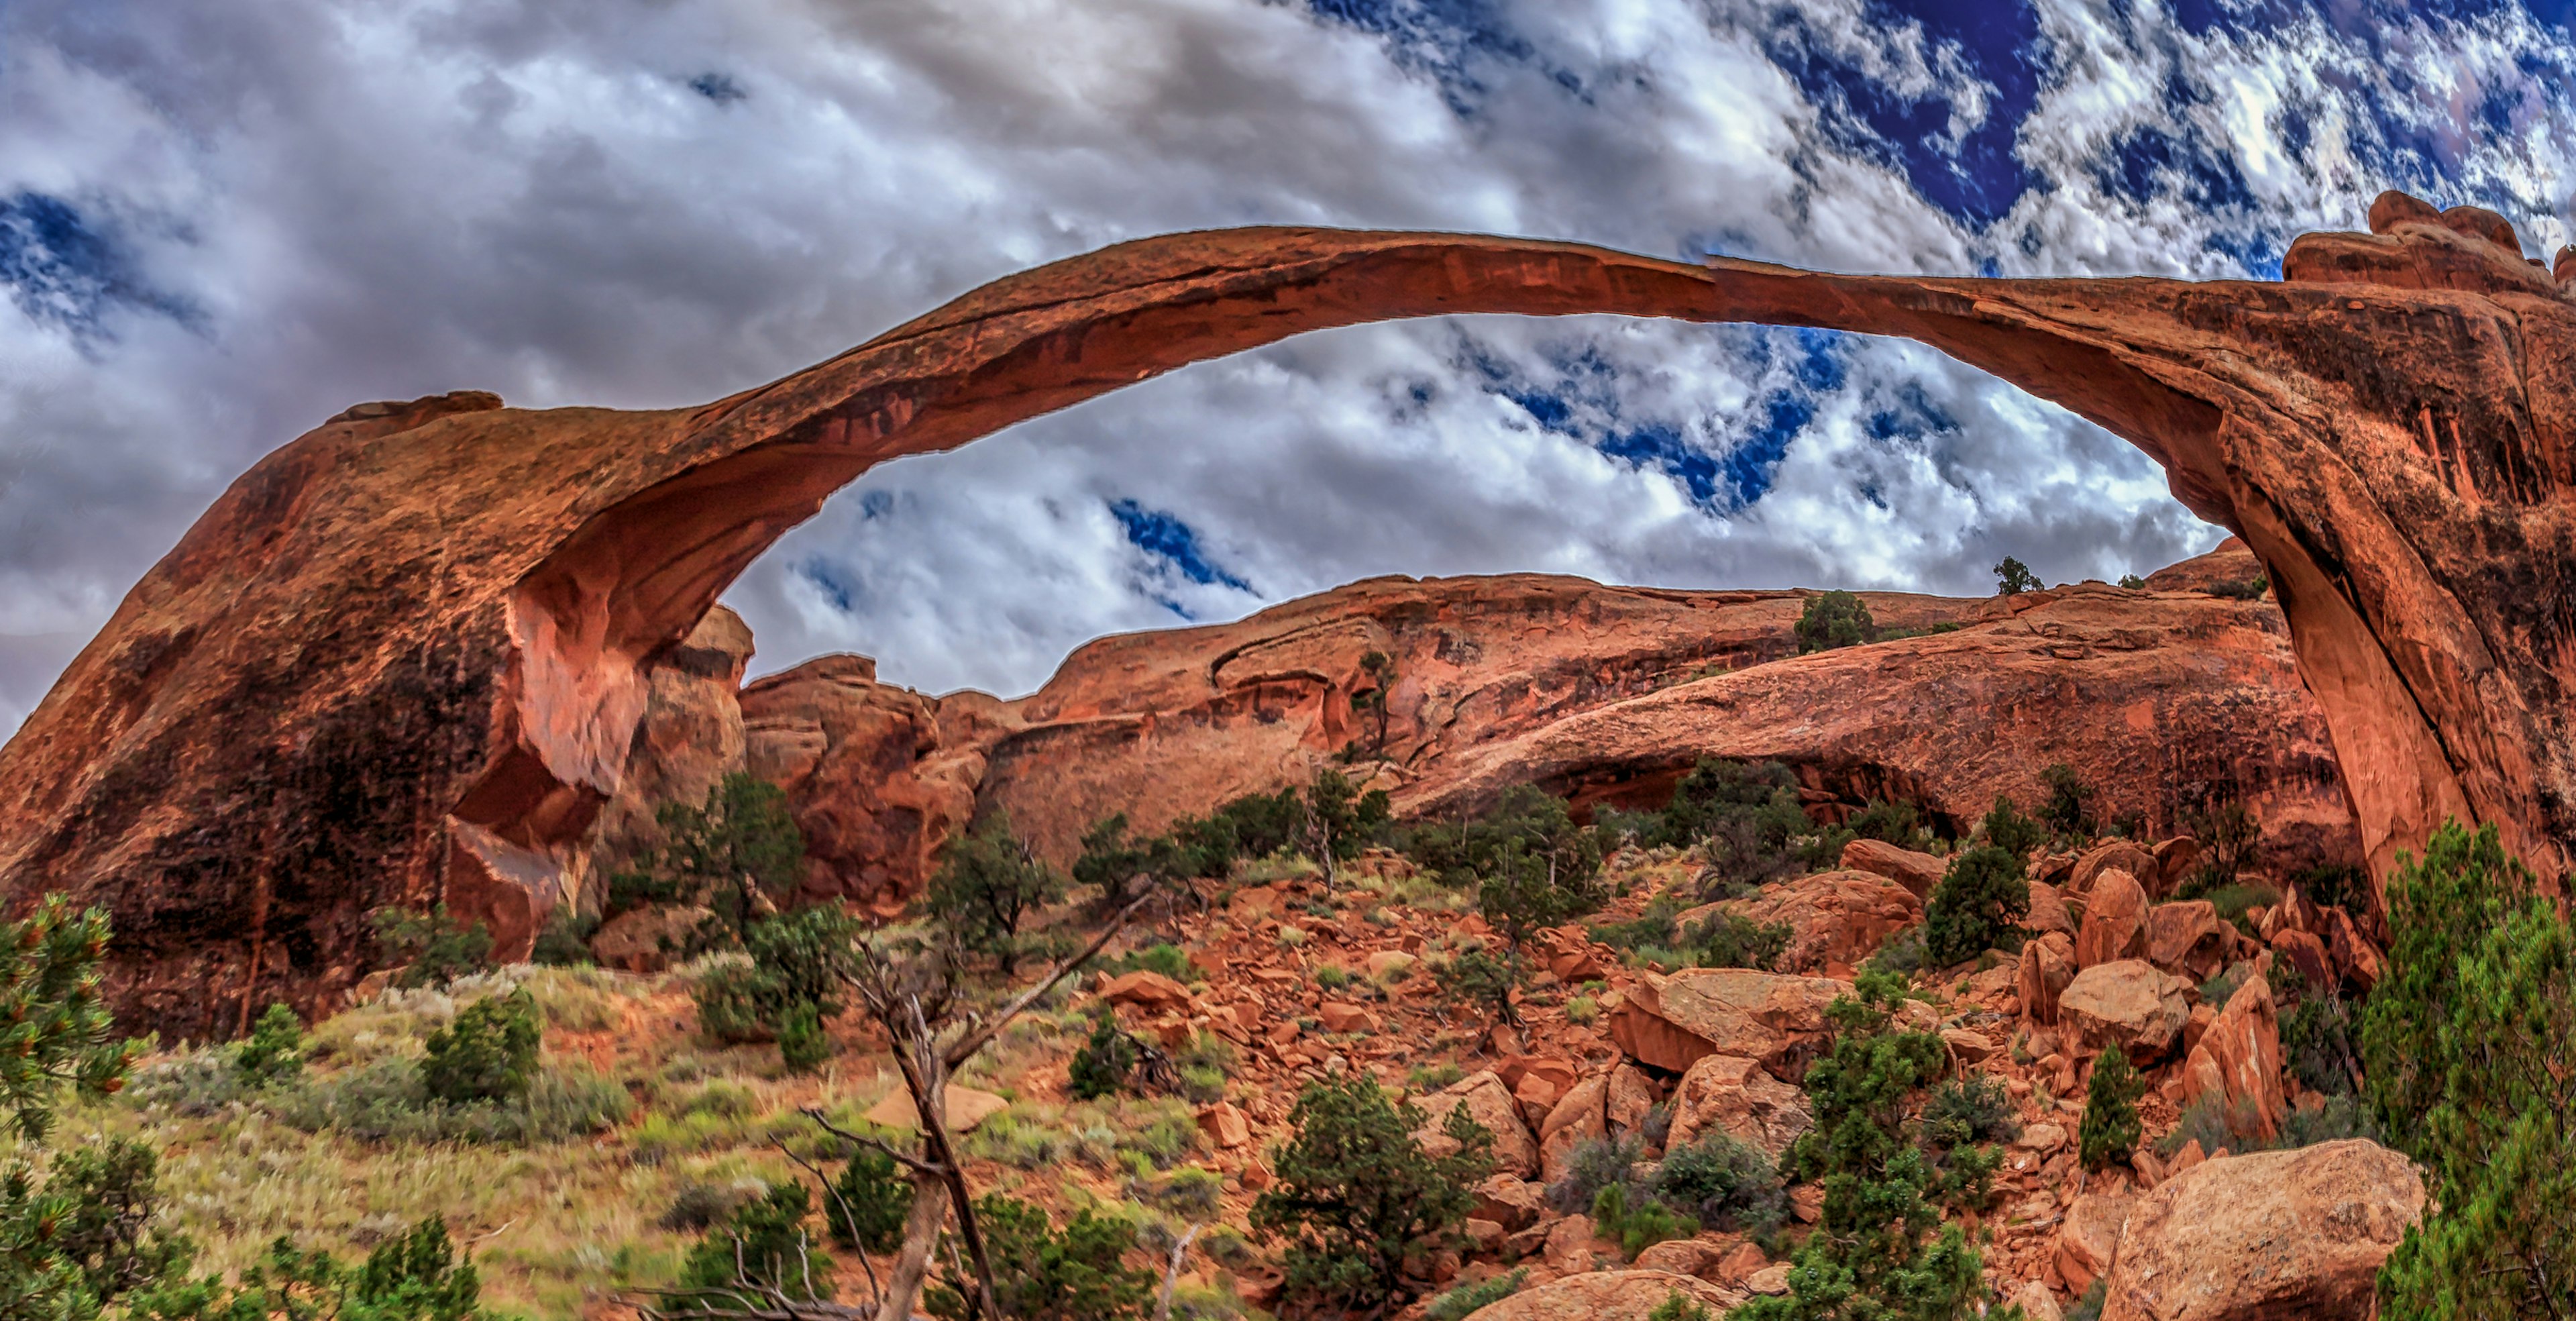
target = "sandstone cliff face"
x: 404, y: 657
x: 1604, y: 693
x: 689, y: 737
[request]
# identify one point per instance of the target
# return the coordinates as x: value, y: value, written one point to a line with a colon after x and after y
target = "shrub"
x: 2067, y: 809
x: 1161, y: 957
x: 1678, y: 1306
x: 1582, y: 1009
x: 1730, y: 940
x: 1901, y: 955
x: 1639, y: 1227
x: 803, y: 1045
x: 698, y: 1207
x: 2133, y: 582
x: 2007, y: 829
x: 742, y: 840
x: 990, y: 882
x: 1963, y: 1111
x: 489, y: 1053
x: 1894, y: 821
x: 434, y: 948
x: 2089, y: 1307
x: 1978, y: 904
x: 1191, y: 1193
x: 1593, y: 1165
x: 2319, y: 1043
x: 1834, y: 619
x: 2227, y: 832
x: 1468, y: 1299
x: 1355, y: 1194
x: 1742, y: 816
x: 803, y: 953
x: 2012, y: 578
x: 387, y: 1101
x: 274, y: 1051
x: 2470, y: 1042
x: 2110, y: 1129
x: 2241, y: 589
x: 564, y: 942
x: 764, y: 1244
x: 736, y: 1004
x: 870, y: 1201
x: 1726, y: 1183
x: 1104, y: 1063
x: 1042, y: 1274
x: 1477, y: 978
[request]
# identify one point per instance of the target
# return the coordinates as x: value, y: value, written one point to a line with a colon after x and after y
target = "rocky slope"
x: 403, y: 658
x: 2159, y: 698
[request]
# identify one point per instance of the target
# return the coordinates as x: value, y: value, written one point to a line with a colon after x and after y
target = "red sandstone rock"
x: 1672, y: 1022
x: 2048, y: 911
x: 1917, y: 872
x: 2275, y: 1234
x: 2047, y: 966
x: 1623, y: 1295
x: 2115, y: 920
x: 1837, y: 917
x: 689, y: 738
x: 2188, y: 939
x: 2089, y: 1238
x: 1733, y: 1095
x: 419, y: 704
x: 1489, y: 1103
x: 1146, y: 990
x: 2112, y: 855
x: 2238, y: 1058
x: 2128, y: 1004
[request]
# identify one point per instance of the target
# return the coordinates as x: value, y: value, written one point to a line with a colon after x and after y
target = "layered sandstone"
x: 404, y: 657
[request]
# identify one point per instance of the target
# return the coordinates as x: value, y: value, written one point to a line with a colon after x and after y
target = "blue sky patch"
x: 719, y: 88
x: 1166, y: 537
x: 66, y: 270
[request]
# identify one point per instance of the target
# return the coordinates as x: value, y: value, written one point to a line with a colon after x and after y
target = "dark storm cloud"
x: 222, y: 223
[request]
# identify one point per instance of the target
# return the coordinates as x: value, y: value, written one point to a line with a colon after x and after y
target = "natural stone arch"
x: 403, y: 656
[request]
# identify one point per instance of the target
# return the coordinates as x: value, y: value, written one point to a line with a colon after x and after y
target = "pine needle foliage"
x: 1357, y: 1197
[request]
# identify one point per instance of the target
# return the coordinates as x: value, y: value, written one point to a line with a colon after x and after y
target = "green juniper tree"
x: 2012, y: 578
x: 1357, y: 1197
x: 1980, y: 903
x: 2110, y: 1131
x: 990, y: 882
x: 1834, y: 619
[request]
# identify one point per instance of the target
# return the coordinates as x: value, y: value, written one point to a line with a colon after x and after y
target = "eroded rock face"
x: 1834, y: 917
x: 337, y: 693
x: 1630, y: 1295
x: 2128, y: 1004
x: 2278, y: 1234
x: 2239, y: 1058
x: 1735, y: 1096
x: 689, y: 738
x: 1673, y: 1022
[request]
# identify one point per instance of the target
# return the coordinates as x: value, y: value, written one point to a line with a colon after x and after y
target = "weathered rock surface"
x: 1673, y: 1022
x: 1833, y: 916
x: 2286, y: 1235
x: 689, y: 738
x: 2088, y: 1240
x: 1630, y: 1295
x: 1488, y: 1102
x: 2129, y: 1004
x: 2188, y: 940
x: 336, y: 693
x: 2115, y: 920
x: 2046, y: 968
x: 2239, y: 1058
x: 1917, y: 872
x: 1735, y: 1096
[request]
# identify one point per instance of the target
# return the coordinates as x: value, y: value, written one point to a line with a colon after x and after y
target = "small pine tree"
x: 274, y: 1051
x: 2007, y: 829
x: 2067, y: 809
x: 2012, y: 578
x: 766, y: 1244
x: 739, y: 854
x: 1104, y: 1063
x: 488, y: 1053
x: 1356, y: 1195
x: 988, y: 884
x: 803, y: 1045
x: 1380, y: 669
x: 1834, y: 619
x: 2133, y: 582
x: 416, y: 1277
x: 870, y: 1201
x: 1078, y: 1273
x: 1979, y: 903
x: 2110, y: 1129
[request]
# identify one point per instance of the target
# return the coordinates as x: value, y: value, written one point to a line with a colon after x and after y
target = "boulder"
x: 2115, y: 920
x: 1672, y: 1022
x: 2047, y: 966
x: 2037, y: 1303
x: 2356, y: 960
x: 2088, y: 1239
x: 2273, y: 1235
x: 1834, y: 917
x: 2175, y: 859
x: 1225, y: 1126
x: 2048, y: 912
x: 2189, y: 940
x: 1633, y: 1096
x: 2306, y: 953
x: 1701, y: 1257
x: 2238, y: 1057
x: 1490, y: 1104
x: 2111, y: 856
x: 1583, y: 1116
x: 1629, y: 1295
x: 642, y: 939
x: 1146, y: 990
x: 1337, y: 1016
x: 1917, y: 872
x: 2128, y: 1004
x: 1514, y: 1203
x: 1733, y: 1095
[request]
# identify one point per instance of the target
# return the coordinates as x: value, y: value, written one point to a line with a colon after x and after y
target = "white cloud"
x: 394, y: 197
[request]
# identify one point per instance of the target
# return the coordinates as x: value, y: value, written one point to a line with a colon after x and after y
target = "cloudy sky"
x: 220, y: 223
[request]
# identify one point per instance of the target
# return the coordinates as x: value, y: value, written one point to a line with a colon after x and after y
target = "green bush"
x: 737, y: 1004
x: 417, y: 1276
x: 489, y: 1053
x: 1104, y: 1063
x: 870, y: 1201
x: 1468, y: 1299
x: 2241, y: 589
x: 1725, y: 1183
x: 1729, y: 940
x: 1679, y: 1306
x: 564, y: 942
x: 387, y: 1101
x: 2320, y: 1043
x: 2006, y: 828
x: 1477, y: 978
x: 1965, y: 1111
x: 1894, y: 821
x: 1902, y: 955
x: 1978, y: 905
x: 2109, y: 1132
x: 274, y: 1051
x: 1743, y: 817
x: 2089, y: 1307
x: 2068, y: 807
x: 803, y: 1045
x: 1834, y: 619
x: 1594, y: 1164
x: 2470, y: 1047
x: 433, y: 948
x: 765, y: 1244
x: 1638, y: 1227
x: 2012, y: 578
x: 1355, y: 1194
x: 1041, y: 1274
x: 990, y: 882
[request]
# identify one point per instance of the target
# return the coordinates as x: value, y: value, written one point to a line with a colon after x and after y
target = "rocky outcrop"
x: 2238, y: 1059
x: 2115, y: 920
x: 1673, y: 1022
x: 1917, y: 872
x: 689, y: 738
x: 1736, y: 1096
x: 1631, y: 1295
x: 404, y: 657
x: 2127, y: 1004
x: 1834, y: 917
x: 878, y: 777
x: 2279, y: 1234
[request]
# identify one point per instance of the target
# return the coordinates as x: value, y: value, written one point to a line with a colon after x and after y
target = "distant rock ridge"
x: 403, y: 658
x: 2158, y: 698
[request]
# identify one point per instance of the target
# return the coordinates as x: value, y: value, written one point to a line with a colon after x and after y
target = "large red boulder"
x: 2274, y: 1236
x: 2238, y: 1058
